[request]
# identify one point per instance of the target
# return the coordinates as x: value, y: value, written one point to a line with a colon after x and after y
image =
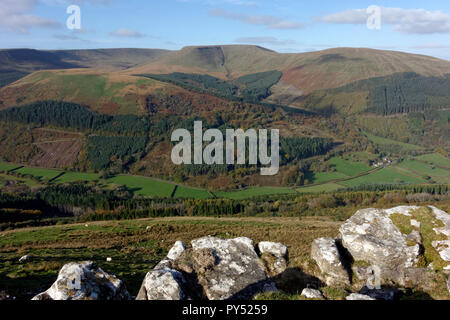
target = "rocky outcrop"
x: 85, y: 281
x: 162, y: 284
x: 442, y: 246
x: 238, y: 274
x: 398, y: 246
x: 274, y: 255
x: 371, y: 236
x: 213, y: 268
x: 325, y: 252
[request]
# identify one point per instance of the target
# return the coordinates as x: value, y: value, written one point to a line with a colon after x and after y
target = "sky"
x: 282, y: 25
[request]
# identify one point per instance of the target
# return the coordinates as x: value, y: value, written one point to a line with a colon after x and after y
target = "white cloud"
x: 270, y: 22
x: 127, y: 33
x: 15, y: 16
x: 415, y: 21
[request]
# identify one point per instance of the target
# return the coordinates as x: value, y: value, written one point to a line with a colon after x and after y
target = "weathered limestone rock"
x: 85, y: 281
x: 312, y: 294
x: 279, y: 250
x: 163, y: 282
x: 443, y: 246
x: 274, y: 256
x: 358, y: 296
x: 238, y: 272
x: 371, y: 236
x: 176, y: 250
x: 326, y: 254
x: 213, y: 268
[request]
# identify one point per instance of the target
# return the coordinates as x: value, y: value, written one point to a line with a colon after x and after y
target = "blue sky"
x: 282, y: 25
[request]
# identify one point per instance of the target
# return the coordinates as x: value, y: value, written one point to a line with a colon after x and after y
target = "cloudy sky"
x: 282, y: 25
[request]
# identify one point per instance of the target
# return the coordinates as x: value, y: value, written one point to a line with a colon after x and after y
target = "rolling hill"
x: 341, y: 76
x: 17, y: 63
x: 380, y: 103
x: 29, y: 60
x: 303, y: 73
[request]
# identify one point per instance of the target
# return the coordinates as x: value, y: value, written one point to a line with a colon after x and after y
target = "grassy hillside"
x: 306, y: 72
x: 29, y: 60
x: 108, y: 93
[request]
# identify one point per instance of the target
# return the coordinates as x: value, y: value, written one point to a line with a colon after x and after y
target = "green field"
x: 40, y: 174
x: 28, y: 182
x: 143, y: 186
x: 253, y: 192
x: 328, y: 187
x: 184, y: 192
x: 344, y: 168
x: 383, y: 176
x: 385, y: 141
x: 420, y: 170
x: 347, y: 167
x: 321, y: 177
x: 76, y: 176
x: 7, y: 166
x: 436, y: 159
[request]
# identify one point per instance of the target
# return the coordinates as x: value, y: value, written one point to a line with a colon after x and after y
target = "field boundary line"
x: 174, y: 191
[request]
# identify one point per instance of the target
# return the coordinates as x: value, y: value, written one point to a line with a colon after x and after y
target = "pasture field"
x: 421, y: 170
x: 347, y: 167
x: 38, y: 173
x: 383, y: 176
x: 190, y: 193
x: 7, y: 166
x: 436, y: 159
x: 27, y: 182
x: 71, y: 176
x: 328, y: 187
x: 143, y: 186
x: 253, y: 192
x: 344, y: 168
x: 321, y: 177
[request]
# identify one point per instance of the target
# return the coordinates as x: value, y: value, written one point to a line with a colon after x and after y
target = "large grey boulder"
x: 279, y: 250
x: 325, y: 252
x: 371, y: 236
x: 238, y: 272
x: 163, y: 282
x: 442, y: 246
x: 85, y: 281
x: 213, y: 269
x: 274, y: 256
